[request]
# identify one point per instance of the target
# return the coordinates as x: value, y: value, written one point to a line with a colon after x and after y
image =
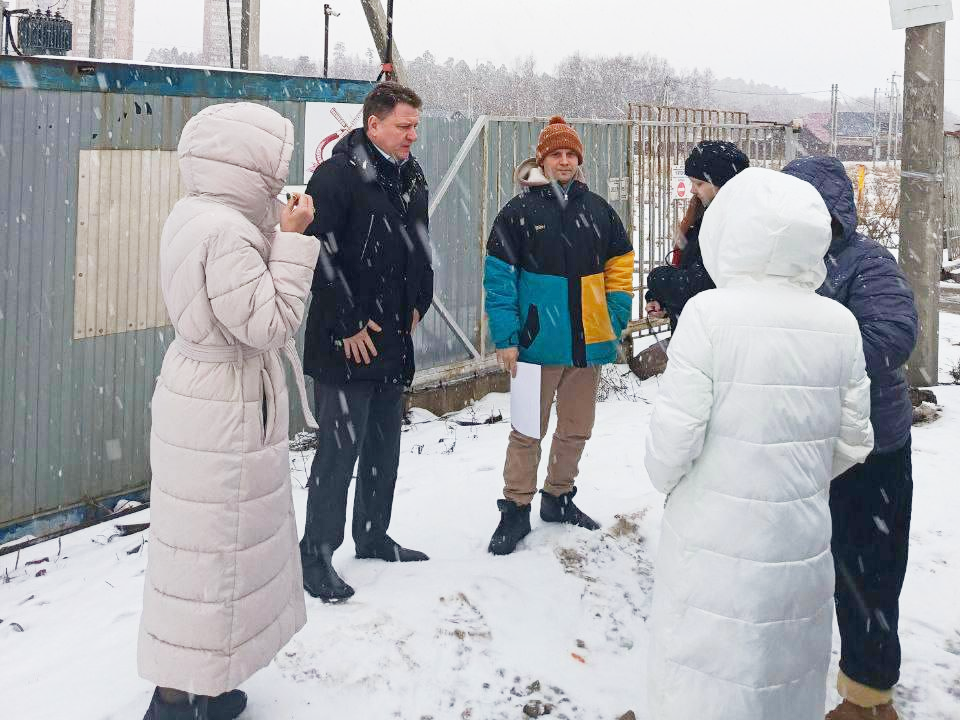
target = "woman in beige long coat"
x: 223, y: 590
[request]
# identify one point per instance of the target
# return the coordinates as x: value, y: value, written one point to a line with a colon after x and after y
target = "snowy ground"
x: 467, y: 635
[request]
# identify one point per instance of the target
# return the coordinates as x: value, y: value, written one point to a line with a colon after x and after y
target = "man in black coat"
x: 710, y: 165
x: 372, y: 285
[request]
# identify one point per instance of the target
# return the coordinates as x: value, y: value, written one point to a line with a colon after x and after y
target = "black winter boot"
x: 563, y: 510
x: 390, y: 550
x: 195, y: 709
x: 514, y: 527
x: 321, y: 580
x: 227, y: 706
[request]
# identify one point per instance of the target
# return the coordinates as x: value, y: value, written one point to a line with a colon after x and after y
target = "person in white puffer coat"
x: 765, y: 400
x: 223, y: 591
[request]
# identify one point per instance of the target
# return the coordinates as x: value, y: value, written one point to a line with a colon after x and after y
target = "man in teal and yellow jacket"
x: 559, y: 292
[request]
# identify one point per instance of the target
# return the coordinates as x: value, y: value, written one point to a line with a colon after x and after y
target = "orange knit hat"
x: 557, y: 135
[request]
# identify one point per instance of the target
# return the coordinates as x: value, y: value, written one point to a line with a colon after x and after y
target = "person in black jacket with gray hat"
x: 372, y: 286
x: 710, y: 165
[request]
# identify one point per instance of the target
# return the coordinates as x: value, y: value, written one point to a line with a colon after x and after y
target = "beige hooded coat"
x: 223, y: 589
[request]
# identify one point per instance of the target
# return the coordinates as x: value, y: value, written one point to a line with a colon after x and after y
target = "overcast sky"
x: 802, y: 46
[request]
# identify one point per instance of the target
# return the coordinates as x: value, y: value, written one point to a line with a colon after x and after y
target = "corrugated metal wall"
x: 454, y: 237
x: 74, y: 414
x: 82, y: 331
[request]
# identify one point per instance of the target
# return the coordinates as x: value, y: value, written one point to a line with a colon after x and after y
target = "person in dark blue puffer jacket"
x: 870, y: 503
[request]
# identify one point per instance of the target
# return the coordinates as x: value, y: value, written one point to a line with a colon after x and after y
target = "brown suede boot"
x: 848, y: 711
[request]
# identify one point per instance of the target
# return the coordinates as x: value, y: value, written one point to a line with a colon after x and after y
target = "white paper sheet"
x: 525, y: 400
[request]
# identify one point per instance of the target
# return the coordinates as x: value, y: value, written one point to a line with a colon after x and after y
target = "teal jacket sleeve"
x: 501, y: 275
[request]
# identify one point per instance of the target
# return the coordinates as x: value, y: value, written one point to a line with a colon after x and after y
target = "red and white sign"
x: 680, y: 184
x: 325, y: 124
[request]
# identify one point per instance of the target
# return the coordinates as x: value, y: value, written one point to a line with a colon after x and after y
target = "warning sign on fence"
x: 680, y: 183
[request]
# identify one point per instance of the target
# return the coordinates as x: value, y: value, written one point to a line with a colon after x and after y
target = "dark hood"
x: 830, y: 178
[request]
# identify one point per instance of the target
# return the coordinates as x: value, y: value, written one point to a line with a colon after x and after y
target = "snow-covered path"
x: 467, y: 635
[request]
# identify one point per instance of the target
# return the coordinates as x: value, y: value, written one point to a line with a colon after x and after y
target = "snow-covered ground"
x: 467, y: 635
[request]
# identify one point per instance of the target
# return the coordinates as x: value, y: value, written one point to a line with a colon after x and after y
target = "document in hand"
x: 525, y: 400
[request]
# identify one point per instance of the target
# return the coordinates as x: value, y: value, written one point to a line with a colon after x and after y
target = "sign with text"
x: 911, y: 13
x: 324, y: 125
x: 680, y: 183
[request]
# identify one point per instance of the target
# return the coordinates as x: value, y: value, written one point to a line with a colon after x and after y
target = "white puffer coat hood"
x: 238, y: 154
x: 778, y: 228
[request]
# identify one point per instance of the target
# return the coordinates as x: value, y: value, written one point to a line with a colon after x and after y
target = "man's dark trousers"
x: 356, y: 419
x: 871, y: 506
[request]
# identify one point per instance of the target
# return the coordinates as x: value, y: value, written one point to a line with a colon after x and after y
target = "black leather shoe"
x: 390, y: 551
x: 561, y: 509
x: 227, y: 706
x: 321, y: 581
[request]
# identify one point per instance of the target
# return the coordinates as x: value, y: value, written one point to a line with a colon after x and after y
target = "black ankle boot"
x: 320, y: 580
x: 227, y: 706
x: 514, y: 526
x: 195, y: 709
x: 561, y: 509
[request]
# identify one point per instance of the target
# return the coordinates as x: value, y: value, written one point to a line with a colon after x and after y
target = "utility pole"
x: 327, y: 13
x: 897, y: 124
x: 377, y: 20
x: 876, y: 128
x: 96, y: 28
x: 893, y: 90
x: 834, y: 106
x: 230, y: 34
x: 245, y: 34
x: 921, y: 189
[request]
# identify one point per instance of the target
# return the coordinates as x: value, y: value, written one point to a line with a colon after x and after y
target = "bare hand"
x: 360, y: 347
x: 654, y: 310
x: 508, y: 360
x: 416, y: 320
x: 297, y: 214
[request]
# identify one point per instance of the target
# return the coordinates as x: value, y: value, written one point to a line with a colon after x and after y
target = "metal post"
x: 897, y: 122
x: 890, y: 124
x: 876, y: 128
x: 377, y: 21
x: 921, y: 189
x: 244, y: 34
x: 326, y: 39
x: 327, y: 13
x: 230, y: 33
x: 388, y: 55
x: 484, y: 204
x: 96, y: 28
x: 834, y: 105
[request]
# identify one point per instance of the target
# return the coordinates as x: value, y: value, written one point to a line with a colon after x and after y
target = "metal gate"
x: 951, y: 192
x: 662, y: 138
x: 476, y: 182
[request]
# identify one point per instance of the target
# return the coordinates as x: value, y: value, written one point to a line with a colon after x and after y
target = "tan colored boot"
x: 848, y: 711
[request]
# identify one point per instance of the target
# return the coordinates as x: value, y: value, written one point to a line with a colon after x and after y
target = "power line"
x: 741, y: 92
x: 861, y: 102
